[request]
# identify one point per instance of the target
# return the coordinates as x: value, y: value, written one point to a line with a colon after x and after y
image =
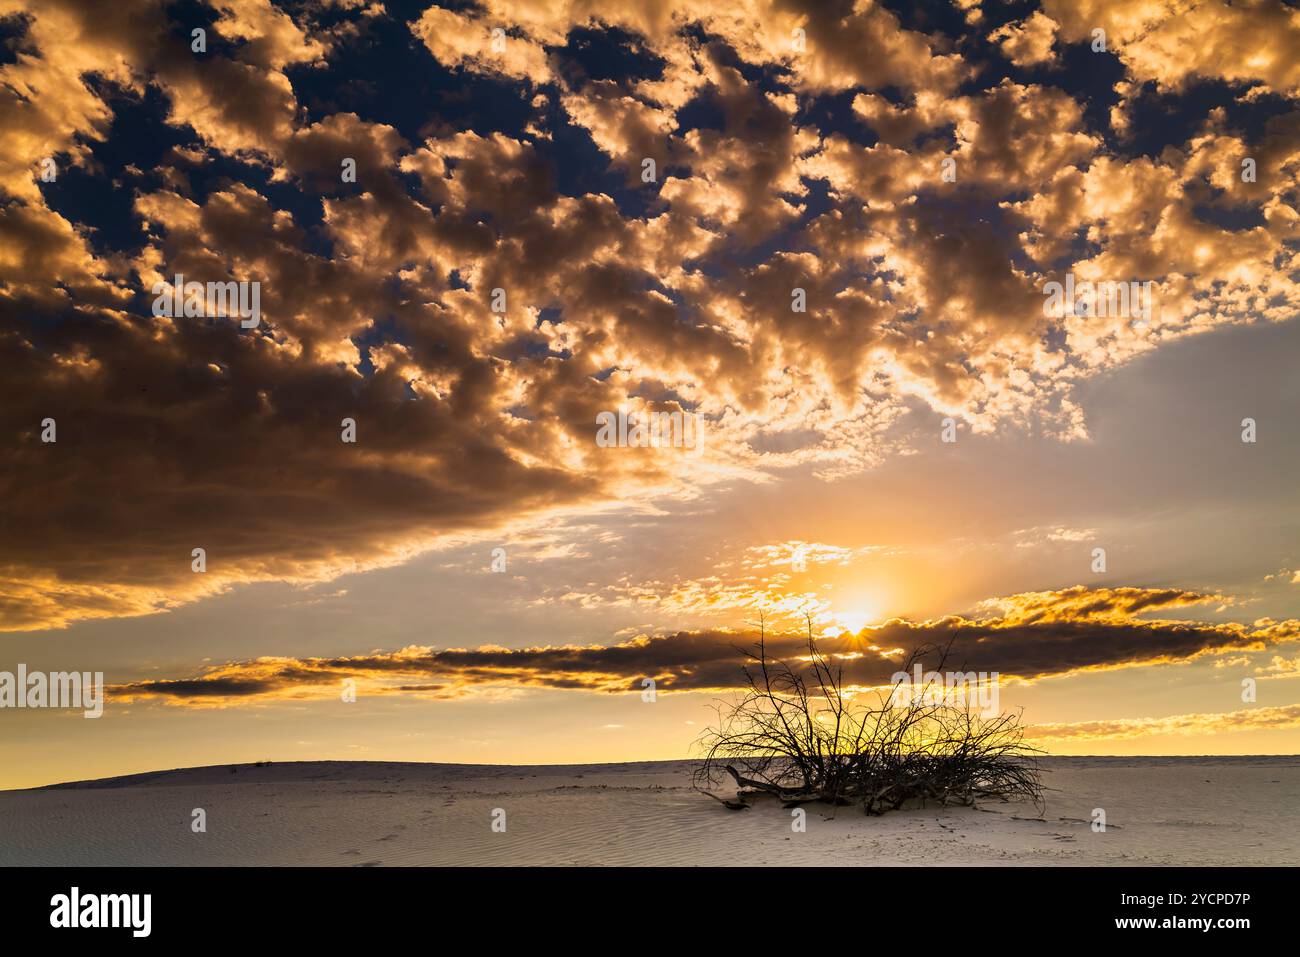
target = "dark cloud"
x: 1044, y: 645
x: 184, y: 433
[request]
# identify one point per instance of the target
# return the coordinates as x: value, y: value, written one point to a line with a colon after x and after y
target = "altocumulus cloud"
x: 671, y: 294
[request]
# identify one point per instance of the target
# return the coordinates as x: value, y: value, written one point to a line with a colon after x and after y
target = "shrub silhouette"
x: 798, y: 734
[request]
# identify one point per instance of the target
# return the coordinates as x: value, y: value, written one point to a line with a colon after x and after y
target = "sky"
x: 824, y: 234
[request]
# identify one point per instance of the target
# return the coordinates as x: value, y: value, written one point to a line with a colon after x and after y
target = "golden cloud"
x: 1077, y: 635
x: 669, y: 296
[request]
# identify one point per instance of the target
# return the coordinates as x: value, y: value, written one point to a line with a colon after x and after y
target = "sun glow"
x: 851, y: 621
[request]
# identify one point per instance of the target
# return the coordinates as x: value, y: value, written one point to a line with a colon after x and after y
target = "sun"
x: 858, y: 608
x: 852, y: 621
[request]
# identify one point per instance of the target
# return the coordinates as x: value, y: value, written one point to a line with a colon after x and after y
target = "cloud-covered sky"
x: 822, y: 231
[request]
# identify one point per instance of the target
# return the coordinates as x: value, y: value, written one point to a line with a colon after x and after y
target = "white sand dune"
x: 1161, y: 811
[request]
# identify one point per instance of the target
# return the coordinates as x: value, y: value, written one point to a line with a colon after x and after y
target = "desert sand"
x: 1159, y: 811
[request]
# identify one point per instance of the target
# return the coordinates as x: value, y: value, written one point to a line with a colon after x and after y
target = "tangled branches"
x: 799, y: 734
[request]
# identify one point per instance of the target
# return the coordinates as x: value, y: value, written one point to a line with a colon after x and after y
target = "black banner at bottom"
x: 306, y: 906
